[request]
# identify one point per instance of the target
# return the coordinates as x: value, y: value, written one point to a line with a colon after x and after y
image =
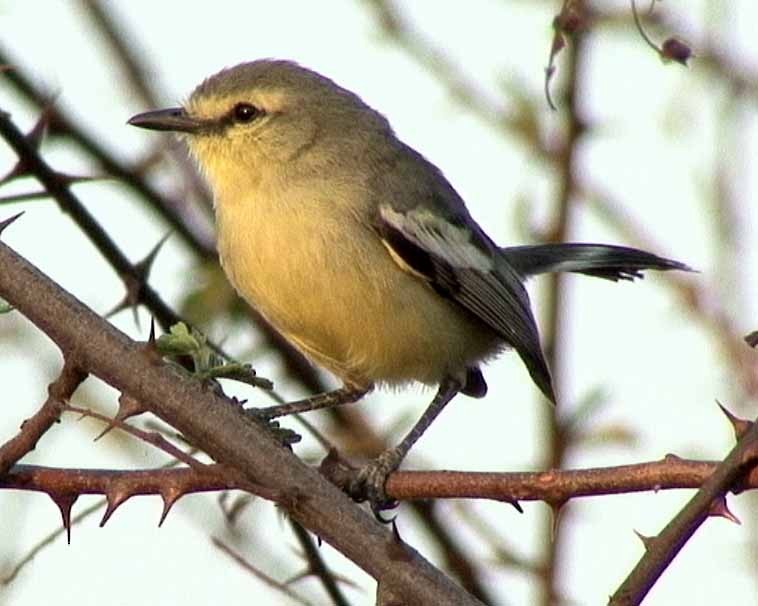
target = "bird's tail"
x: 598, y: 260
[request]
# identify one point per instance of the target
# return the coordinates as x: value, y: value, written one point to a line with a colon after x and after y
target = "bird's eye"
x: 244, y: 112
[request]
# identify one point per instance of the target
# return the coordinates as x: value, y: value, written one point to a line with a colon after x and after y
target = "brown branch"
x: 35, y: 427
x: 214, y: 425
x: 554, y: 487
x: 661, y: 550
x: 131, y: 482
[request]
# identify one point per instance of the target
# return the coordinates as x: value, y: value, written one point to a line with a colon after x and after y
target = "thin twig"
x: 258, y: 574
x: 641, y: 29
x: 567, y: 165
x: 149, y: 437
x: 318, y: 567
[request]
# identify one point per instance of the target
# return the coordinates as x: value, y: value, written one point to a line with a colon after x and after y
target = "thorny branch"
x: 556, y: 486
x: 224, y: 432
x: 708, y: 501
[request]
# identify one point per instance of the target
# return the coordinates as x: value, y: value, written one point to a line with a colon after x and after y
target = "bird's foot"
x: 371, y: 479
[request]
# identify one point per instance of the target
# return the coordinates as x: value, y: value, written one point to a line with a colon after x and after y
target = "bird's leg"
x: 369, y: 484
x: 346, y: 394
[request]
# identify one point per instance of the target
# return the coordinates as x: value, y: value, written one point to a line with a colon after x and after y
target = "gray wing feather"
x: 460, y: 264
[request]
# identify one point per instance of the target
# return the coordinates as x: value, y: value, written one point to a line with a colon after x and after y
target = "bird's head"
x: 266, y: 119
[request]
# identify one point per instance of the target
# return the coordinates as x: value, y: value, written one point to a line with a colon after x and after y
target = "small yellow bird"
x: 357, y: 248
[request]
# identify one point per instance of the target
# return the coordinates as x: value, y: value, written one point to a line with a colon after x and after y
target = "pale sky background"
x: 655, y: 147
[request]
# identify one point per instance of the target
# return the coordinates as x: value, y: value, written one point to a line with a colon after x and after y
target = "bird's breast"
x: 327, y: 283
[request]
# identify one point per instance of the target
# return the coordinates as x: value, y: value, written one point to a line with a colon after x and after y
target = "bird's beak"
x: 174, y: 119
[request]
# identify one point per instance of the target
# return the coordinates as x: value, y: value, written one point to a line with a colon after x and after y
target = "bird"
x: 358, y: 250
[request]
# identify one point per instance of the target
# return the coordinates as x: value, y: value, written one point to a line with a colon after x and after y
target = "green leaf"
x: 178, y: 342
x: 206, y: 363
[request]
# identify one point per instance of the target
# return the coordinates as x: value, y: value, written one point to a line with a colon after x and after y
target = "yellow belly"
x: 345, y: 302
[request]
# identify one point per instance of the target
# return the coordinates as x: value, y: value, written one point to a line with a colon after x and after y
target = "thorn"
x: 557, y: 511
x: 720, y: 509
x: 115, y: 499
x: 35, y: 136
x: 5, y: 223
x: 170, y: 495
x: 133, y: 286
x: 108, y: 428
x: 125, y: 303
x: 740, y: 426
x: 128, y: 407
x: 752, y: 339
x: 646, y: 540
x: 516, y: 505
x: 143, y: 267
x: 65, y: 502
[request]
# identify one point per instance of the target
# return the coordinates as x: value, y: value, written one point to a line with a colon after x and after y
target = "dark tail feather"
x: 599, y: 260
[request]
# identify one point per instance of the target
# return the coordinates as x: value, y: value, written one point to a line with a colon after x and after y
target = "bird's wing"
x: 459, y: 262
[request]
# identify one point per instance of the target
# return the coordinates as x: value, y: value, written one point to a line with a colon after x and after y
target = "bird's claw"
x: 369, y: 484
